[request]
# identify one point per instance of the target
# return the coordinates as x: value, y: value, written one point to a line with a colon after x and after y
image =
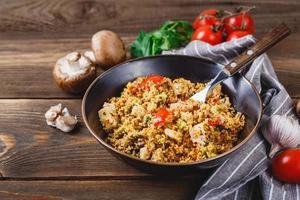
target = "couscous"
x: 155, y: 119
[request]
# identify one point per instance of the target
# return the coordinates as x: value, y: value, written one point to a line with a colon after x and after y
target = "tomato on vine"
x: 208, y: 17
x: 237, y: 34
x: 240, y: 22
x: 208, y: 34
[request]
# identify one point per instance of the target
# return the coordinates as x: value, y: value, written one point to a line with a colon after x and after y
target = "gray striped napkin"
x: 246, y: 175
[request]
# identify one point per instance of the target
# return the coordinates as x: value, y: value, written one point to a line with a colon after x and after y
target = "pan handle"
x: 261, y: 46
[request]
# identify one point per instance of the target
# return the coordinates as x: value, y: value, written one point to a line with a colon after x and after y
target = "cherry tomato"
x: 156, y: 79
x: 243, y: 22
x: 206, y: 17
x: 237, y: 34
x: 286, y: 166
x: 207, y: 34
x: 215, y: 122
x: 161, y: 115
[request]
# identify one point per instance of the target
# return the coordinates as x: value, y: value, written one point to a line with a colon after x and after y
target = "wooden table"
x: 39, y: 162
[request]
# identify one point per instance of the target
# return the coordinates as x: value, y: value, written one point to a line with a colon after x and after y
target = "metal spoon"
x: 240, y: 62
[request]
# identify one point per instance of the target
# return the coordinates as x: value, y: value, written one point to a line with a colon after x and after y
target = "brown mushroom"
x: 108, y: 48
x: 74, y: 72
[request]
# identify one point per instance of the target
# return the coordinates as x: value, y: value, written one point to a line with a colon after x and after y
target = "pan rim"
x: 171, y: 164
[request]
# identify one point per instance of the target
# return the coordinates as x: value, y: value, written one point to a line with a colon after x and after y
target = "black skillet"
x: 241, y: 92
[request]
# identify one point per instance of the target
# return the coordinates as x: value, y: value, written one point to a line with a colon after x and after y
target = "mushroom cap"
x: 108, y: 48
x: 75, y: 83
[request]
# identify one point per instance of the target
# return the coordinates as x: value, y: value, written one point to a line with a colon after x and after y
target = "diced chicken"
x: 182, y: 106
x: 106, y: 116
x: 157, y: 155
x: 110, y: 107
x: 173, y: 134
x: 197, y: 134
x: 138, y: 110
x: 179, y: 88
x: 144, y: 153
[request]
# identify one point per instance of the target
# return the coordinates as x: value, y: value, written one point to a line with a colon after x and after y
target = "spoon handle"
x: 261, y: 46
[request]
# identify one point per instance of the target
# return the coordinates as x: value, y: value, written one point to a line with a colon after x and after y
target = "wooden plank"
x: 26, y: 63
x: 30, y: 148
x: 115, y: 189
x: 128, y: 15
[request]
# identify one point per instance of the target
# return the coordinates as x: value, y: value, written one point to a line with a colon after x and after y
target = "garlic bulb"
x: 281, y: 132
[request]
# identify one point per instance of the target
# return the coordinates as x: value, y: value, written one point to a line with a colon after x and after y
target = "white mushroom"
x: 108, y: 48
x: 74, y: 72
x: 60, y: 118
x: 90, y: 55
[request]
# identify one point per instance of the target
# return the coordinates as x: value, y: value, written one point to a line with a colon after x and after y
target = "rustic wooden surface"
x: 39, y: 162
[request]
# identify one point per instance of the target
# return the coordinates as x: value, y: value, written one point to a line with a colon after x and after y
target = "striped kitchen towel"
x: 246, y: 175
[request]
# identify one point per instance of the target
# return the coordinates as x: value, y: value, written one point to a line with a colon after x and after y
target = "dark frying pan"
x: 241, y: 92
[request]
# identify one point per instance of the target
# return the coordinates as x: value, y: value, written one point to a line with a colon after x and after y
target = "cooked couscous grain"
x: 155, y: 119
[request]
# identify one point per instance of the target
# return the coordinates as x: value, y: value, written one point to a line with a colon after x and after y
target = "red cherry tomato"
x: 237, y: 34
x: 215, y: 122
x: 286, y: 166
x: 243, y: 22
x: 161, y: 116
x: 156, y: 79
x: 207, y: 34
x: 206, y: 17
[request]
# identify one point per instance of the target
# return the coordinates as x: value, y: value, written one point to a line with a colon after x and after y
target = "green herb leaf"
x: 171, y: 35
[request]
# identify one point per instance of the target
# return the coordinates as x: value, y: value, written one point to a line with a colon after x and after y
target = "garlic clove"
x: 52, y: 114
x: 60, y: 118
x: 65, y: 112
x: 66, y: 123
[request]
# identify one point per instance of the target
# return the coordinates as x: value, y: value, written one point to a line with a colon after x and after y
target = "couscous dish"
x: 155, y: 119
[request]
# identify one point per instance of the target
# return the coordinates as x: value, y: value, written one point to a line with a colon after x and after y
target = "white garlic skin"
x: 60, y: 118
x: 281, y: 132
